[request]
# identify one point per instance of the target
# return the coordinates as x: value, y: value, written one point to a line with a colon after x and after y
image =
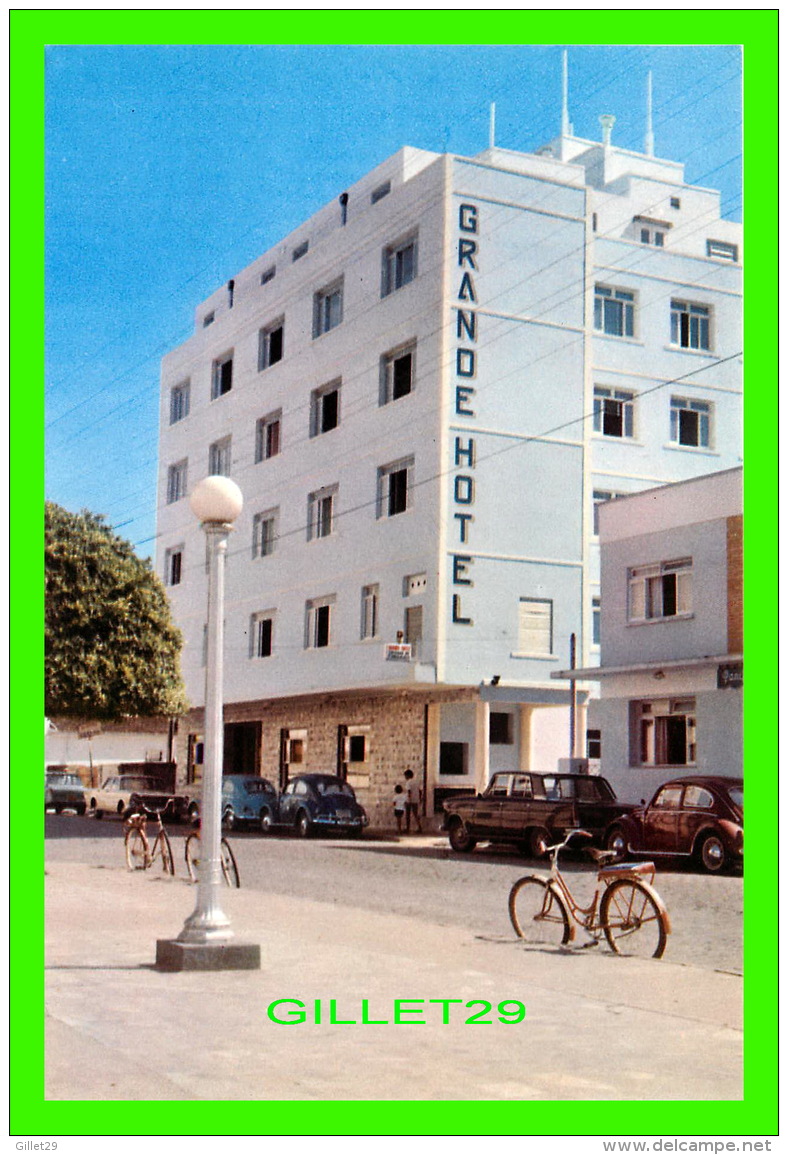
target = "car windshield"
x: 326, y: 786
x: 736, y: 795
x: 64, y: 780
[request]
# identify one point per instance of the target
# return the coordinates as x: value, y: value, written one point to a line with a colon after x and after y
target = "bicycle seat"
x: 601, y: 856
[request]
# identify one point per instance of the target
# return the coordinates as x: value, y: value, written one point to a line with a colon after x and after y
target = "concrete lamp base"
x: 172, y: 955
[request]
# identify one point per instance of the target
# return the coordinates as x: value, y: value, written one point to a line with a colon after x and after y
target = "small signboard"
x: 398, y: 652
x: 730, y: 676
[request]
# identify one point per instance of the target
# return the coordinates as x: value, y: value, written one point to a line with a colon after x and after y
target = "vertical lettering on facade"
x: 465, y: 366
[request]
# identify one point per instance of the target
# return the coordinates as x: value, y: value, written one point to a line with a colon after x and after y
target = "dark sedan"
x: 64, y: 791
x: 313, y: 802
x: 532, y: 811
x: 700, y: 817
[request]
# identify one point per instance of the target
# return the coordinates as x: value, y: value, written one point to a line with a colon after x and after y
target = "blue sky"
x: 169, y: 169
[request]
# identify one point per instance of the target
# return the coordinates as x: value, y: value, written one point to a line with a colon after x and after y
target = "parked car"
x: 532, y: 811
x: 313, y: 802
x: 64, y: 791
x: 248, y: 798
x: 124, y: 793
x: 698, y: 816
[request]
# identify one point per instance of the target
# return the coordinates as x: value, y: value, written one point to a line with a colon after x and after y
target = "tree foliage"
x: 112, y: 650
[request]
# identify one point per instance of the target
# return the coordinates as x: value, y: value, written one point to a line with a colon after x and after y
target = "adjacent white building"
x: 422, y: 393
x: 672, y: 671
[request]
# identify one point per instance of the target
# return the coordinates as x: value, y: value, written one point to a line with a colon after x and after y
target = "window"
x: 722, y: 250
x: 220, y: 457
x: 324, y: 414
x: 353, y: 749
x: 601, y: 495
x: 614, y: 412
x: 697, y: 796
x: 264, y: 527
x: 318, y: 623
x: 380, y: 192
x: 320, y: 514
x: 327, y: 311
x: 593, y: 744
x: 399, y: 265
x: 272, y: 344
x: 675, y: 203
x: 222, y: 376
x: 176, y: 481
x: 652, y: 237
x: 268, y: 275
x: 173, y: 566
x: 370, y: 597
x: 397, y: 374
x: 501, y: 728
x: 262, y: 635
x: 268, y: 436
x: 614, y: 311
x: 179, y: 402
x: 690, y: 422
x: 453, y: 759
x: 300, y: 250
x: 394, y: 483
x: 596, y: 621
x: 208, y: 319
x: 660, y: 591
x: 689, y: 325
x: 662, y: 733
x: 535, y: 627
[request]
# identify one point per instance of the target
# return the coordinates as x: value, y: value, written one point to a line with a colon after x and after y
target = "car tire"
x: 303, y: 824
x: 122, y: 809
x: 94, y: 810
x: 538, y: 841
x: 711, y: 853
x: 617, y: 842
x: 459, y: 837
x: 81, y: 809
x: 266, y: 822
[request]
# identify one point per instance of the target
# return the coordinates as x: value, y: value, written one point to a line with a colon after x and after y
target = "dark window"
x: 380, y: 192
x: 500, y: 728
x: 329, y: 418
x: 357, y: 748
x: 398, y: 492
x: 176, y: 560
x: 402, y: 376
x: 593, y: 743
x: 454, y: 758
x: 322, y: 615
x: 225, y: 374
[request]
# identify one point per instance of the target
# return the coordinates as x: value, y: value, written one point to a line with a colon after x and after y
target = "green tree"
x: 112, y: 650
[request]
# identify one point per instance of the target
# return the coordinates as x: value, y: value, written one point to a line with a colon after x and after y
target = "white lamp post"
x: 207, y: 941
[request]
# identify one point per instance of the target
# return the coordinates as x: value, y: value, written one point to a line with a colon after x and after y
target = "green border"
x: 31, y: 30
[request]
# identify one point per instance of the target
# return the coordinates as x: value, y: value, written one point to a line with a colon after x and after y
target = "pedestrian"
x: 413, y: 795
x: 400, y: 802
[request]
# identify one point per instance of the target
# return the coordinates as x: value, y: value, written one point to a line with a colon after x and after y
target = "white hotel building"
x: 422, y: 392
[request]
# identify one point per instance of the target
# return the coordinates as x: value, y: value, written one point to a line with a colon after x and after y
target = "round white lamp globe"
x: 216, y: 499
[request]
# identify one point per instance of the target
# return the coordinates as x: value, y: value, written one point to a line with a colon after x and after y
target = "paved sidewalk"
x: 597, y: 1026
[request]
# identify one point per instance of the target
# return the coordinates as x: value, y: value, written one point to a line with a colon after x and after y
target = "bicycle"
x: 631, y: 915
x: 229, y: 865
x: 139, y: 855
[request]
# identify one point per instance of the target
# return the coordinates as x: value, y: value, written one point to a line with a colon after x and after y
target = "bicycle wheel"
x: 137, y: 849
x: 192, y: 852
x: 538, y: 913
x: 165, y: 849
x: 229, y: 865
x: 633, y: 921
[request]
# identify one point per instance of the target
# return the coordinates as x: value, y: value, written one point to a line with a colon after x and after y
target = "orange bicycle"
x: 139, y: 852
x: 630, y: 914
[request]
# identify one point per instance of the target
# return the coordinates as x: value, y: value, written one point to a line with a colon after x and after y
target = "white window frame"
x: 393, y: 493
x: 319, y: 414
x: 690, y: 325
x: 218, y: 376
x: 611, y: 406
x: 262, y: 624
x: 400, y: 264
x: 177, y: 478
x: 180, y: 402
x: 388, y: 373
x: 722, y: 251
x: 173, y: 565
x: 328, y: 308
x: 264, y: 360
x: 614, y: 310
x: 264, y: 532
x: 535, y: 628
x: 268, y: 444
x: 370, y: 611
x: 318, y: 622
x: 654, y: 588
x: 703, y: 412
x: 220, y: 457
x: 321, y: 512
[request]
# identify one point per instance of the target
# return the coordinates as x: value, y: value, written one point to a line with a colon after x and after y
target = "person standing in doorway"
x: 413, y: 795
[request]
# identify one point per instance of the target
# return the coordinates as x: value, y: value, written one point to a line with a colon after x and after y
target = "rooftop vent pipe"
x: 607, y: 121
x: 343, y: 199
